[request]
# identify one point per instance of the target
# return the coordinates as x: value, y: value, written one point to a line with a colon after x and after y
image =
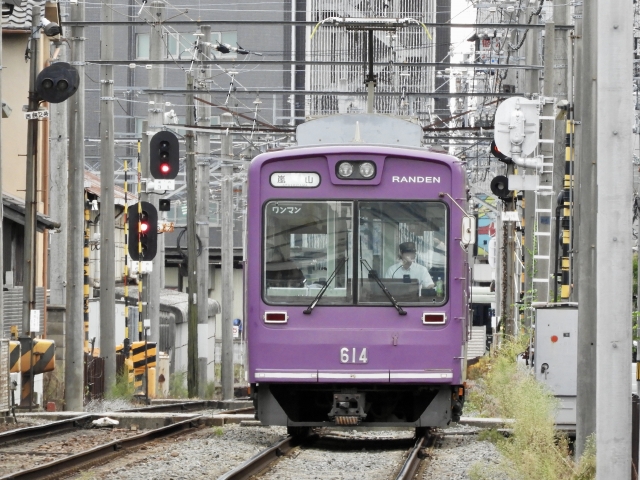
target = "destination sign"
x: 295, y: 179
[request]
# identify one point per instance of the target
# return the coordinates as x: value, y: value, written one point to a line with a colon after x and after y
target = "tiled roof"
x: 92, y: 185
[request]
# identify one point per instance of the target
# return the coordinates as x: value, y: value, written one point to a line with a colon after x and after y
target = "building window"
x: 142, y: 46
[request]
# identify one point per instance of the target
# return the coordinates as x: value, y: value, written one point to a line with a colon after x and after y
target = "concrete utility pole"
x: 614, y: 113
x: 585, y: 201
x: 31, y: 197
x: 74, y: 353
x: 58, y: 196
x: 107, y: 203
x: 227, y: 261
x: 206, y: 355
x: 155, y: 119
x: 192, y: 326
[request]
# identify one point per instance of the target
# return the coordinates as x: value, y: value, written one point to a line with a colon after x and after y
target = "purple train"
x: 357, y: 281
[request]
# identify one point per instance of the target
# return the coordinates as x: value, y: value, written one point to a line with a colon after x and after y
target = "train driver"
x: 408, y: 266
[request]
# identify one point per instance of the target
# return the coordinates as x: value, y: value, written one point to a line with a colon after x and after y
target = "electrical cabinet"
x: 556, y: 356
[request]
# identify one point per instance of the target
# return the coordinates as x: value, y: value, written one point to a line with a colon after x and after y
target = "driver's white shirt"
x: 415, y: 271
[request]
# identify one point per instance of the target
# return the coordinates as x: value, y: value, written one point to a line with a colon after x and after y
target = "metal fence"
x: 93, y: 378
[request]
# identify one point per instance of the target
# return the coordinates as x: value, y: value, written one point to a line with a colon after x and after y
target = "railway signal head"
x: 57, y: 82
x: 164, y: 154
x: 500, y: 187
x: 143, y: 231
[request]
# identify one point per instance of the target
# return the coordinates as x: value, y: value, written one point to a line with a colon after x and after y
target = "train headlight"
x: 345, y: 169
x: 367, y: 170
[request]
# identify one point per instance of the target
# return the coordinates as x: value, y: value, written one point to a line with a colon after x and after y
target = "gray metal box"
x: 556, y: 356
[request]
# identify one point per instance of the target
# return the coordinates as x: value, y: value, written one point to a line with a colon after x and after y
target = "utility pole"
x: 58, y: 195
x: 31, y: 211
x: 227, y: 260
x: 585, y: 201
x: 202, y: 220
x: 31, y: 197
x: 107, y: 203
x: 155, y: 119
x: 192, y: 326
x: 74, y: 353
x: 614, y: 112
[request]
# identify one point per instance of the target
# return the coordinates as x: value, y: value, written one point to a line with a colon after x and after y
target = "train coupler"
x: 348, y: 408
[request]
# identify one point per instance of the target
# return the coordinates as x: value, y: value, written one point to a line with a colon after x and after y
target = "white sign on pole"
x: 236, y: 331
x: 34, y: 321
x: 523, y: 182
x: 510, y: 216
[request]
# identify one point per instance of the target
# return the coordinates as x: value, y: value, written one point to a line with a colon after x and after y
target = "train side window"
x: 405, y: 245
x: 304, y: 243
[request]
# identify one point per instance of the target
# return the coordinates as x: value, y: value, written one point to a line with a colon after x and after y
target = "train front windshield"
x: 354, y: 249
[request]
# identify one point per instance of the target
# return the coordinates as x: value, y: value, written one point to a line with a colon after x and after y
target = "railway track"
x: 73, y: 461
x: 416, y: 450
x: 56, y: 448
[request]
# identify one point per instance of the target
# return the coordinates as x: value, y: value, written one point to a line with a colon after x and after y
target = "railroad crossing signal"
x: 143, y: 232
x: 164, y: 154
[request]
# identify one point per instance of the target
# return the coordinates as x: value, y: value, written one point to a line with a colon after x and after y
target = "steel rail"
x: 173, y: 407
x: 99, y: 452
x: 46, y: 429
x: 261, y: 460
x: 411, y: 465
x: 186, y: 407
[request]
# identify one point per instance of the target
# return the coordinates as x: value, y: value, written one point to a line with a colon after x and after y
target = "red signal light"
x: 165, y: 168
x: 144, y: 227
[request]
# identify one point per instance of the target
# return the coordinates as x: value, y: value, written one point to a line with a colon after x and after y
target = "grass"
x: 178, y: 385
x: 535, y: 450
x: 123, y: 389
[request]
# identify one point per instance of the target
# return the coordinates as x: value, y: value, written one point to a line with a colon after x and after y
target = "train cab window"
x: 404, y: 245
x: 306, y: 243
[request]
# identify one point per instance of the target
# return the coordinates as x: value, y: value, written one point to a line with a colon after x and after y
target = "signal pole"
x: 227, y: 260
x: 155, y: 119
x: 190, y: 174
x: 107, y: 202
x: 74, y: 356
x: 31, y: 210
x: 31, y: 199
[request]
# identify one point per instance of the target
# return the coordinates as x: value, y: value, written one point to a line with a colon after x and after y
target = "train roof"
x: 371, y: 129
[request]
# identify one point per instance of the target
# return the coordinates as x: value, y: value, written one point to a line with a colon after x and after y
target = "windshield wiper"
x: 372, y: 273
x: 324, y: 288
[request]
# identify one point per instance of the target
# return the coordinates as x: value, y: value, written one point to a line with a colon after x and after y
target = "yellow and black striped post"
x: 565, y: 290
x: 37, y: 355
x: 14, y: 356
x: 87, y: 219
